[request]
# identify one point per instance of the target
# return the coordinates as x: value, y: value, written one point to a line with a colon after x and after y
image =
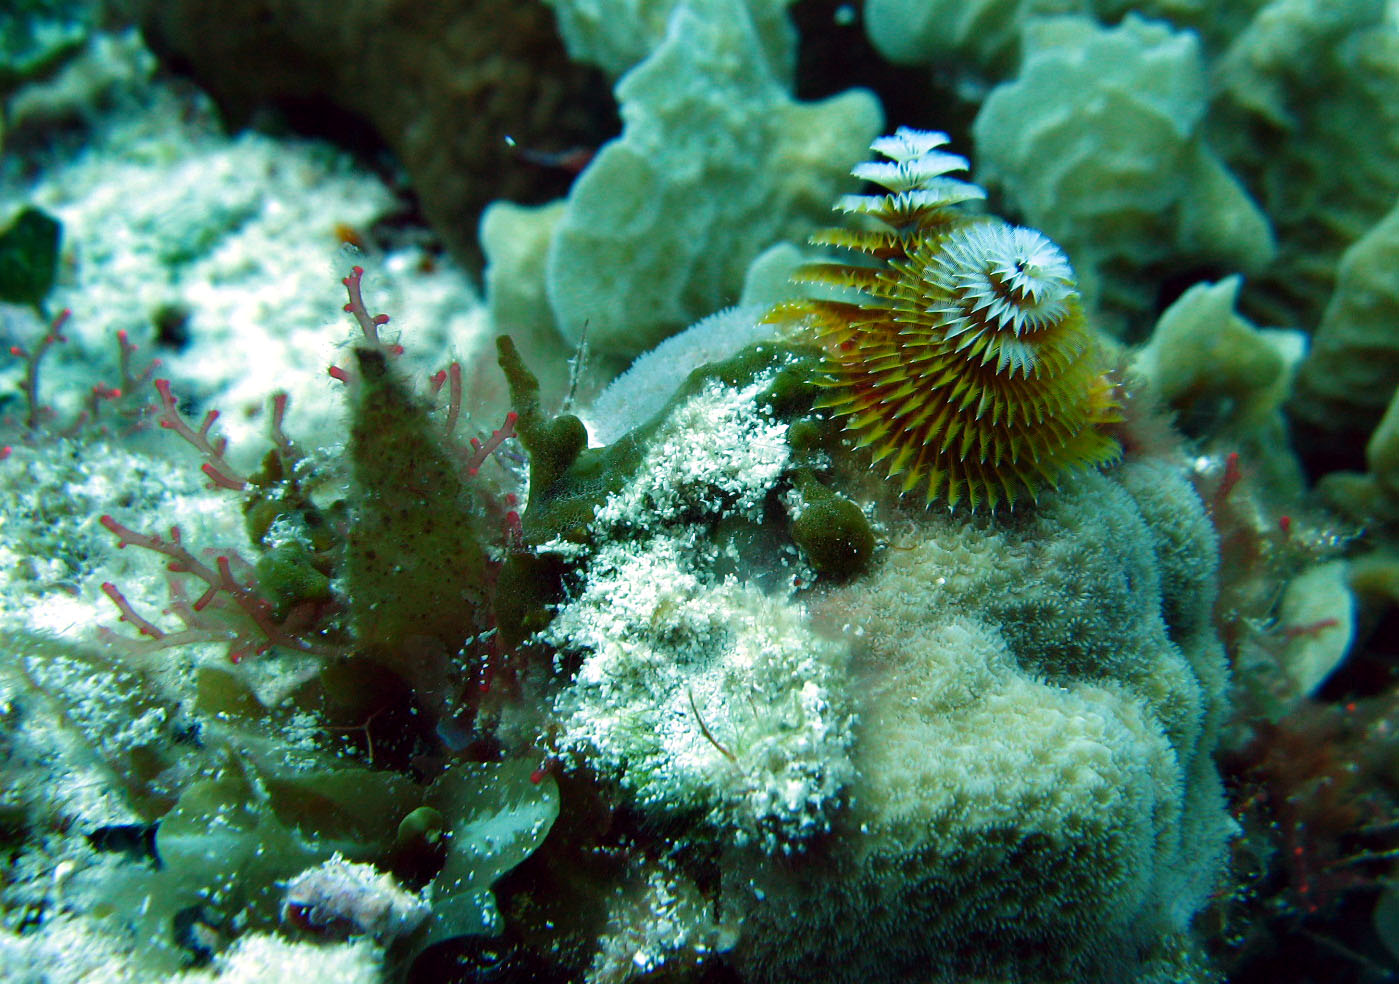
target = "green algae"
x: 415, y: 562
x: 831, y: 530
x: 29, y: 249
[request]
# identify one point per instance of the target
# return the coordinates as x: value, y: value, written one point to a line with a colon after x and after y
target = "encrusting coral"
x: 700, y: 693
x: 962, y: 355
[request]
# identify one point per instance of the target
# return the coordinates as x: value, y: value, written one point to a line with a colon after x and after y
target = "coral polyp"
x: 958, y: 348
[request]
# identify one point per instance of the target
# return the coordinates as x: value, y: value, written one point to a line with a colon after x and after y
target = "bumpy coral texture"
x: 986, y: 34
x: 617, y: 34
x: 1035, y: 798
x: 982, y: 32
x: 1351, y: 372
x: 961, y: 355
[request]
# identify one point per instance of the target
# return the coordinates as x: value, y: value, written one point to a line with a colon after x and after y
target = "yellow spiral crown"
x: 958, y: 348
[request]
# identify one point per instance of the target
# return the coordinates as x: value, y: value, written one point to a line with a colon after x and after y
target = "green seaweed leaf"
x: 500, y: 813
x: 29, y: 258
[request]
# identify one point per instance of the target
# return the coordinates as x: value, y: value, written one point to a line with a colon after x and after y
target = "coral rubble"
x: 446, y: 115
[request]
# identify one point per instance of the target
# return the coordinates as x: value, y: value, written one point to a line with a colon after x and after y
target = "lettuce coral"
x: 1307, y: 114
x: 715, y: 162
x: 1212, y: 365
x: 1351, y: 372
x: 986, y: 34
x: 617, y: 34
x: 1098, y: 141
x: 982, y: 32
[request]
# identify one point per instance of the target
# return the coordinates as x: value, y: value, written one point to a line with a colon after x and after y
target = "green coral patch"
x: 569, y: 481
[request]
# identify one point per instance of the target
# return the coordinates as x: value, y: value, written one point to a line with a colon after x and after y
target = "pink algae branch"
x: 1232, y: 476
x: 451, y: 377
x: 30, y: 384
x: 1310, y: 629
x: 230, y: 606
x: 481, y: 450
x: 215, y: 466
x: 369, y: 324
x: 40, y: 423
x: 224, y: 595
